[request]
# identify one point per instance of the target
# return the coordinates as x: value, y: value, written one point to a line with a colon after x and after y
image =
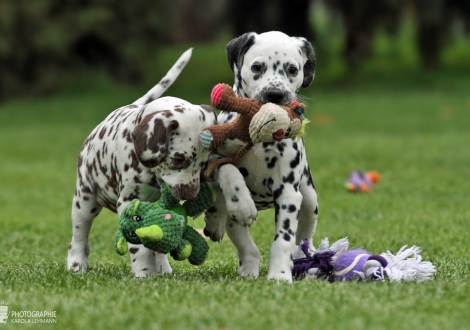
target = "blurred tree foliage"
x: 44, y: 42
x: 41, y: 40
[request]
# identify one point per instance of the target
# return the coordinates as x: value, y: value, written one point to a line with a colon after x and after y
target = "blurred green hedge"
x: 42, y: 40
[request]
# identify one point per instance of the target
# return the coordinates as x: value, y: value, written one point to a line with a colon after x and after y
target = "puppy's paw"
x: 240, y: 207
x: 215, y: 227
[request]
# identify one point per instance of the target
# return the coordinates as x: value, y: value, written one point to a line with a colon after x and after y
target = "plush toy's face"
x: 272, y: 123
x: 143, y: 221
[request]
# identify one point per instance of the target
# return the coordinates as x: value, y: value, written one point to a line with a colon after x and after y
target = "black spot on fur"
x: 243, y: 171
x: 267, y: 144
x: 286, y: 237
x: 278, y: 192
x: 133, y: 250
x: 294, y: 163
x: 292, y: 208
x: 272, y: 162
x: 290, y: 178
x: 211, y: 209
x: 286, y: 224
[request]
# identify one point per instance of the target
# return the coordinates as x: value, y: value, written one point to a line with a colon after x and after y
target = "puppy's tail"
x: 167, y: 80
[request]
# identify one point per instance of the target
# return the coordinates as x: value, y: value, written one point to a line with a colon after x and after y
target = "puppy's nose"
x: 275, y: 96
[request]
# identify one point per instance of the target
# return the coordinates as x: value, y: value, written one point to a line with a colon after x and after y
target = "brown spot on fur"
x: 167, y: 113
x: 155, y: 141
x: 102, y: 133
x: 133, y: 250
x: 179, y: 108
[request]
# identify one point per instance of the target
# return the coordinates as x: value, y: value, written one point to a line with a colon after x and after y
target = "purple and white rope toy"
x: 338, y: 263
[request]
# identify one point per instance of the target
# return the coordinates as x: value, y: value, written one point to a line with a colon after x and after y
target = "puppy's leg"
x: 215, y: 218
x: 146, y: 262
x: 240, y: 206
x: 248, y: 253
x: 287, y: 204
x: 309, y: 210
x: 84, y: 210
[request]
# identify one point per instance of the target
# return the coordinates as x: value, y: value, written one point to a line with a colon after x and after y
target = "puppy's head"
x: 168, y: 143
x: 271, y: 66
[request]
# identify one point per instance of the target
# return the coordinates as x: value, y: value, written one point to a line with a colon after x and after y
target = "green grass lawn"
x: 414, y: 128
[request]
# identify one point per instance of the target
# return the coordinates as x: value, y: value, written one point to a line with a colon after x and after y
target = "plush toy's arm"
x: 296, y: 110
x: 213, y: 136
x: 223, y: 98
x: 121, y: 243
x: 203, y: 201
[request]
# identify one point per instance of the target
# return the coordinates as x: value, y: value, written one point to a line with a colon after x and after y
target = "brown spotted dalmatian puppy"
x: 270, y: 67
x: 135, y: 150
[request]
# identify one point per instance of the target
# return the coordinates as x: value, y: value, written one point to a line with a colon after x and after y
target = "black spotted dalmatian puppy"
x: 270, y: 67
x: 130, y: 155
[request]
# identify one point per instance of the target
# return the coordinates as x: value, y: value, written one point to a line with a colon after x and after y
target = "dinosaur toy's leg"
x: 182, y: 251
x: 199, y: 244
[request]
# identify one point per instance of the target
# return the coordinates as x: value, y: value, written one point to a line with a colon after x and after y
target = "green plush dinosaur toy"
x: 163, y: 226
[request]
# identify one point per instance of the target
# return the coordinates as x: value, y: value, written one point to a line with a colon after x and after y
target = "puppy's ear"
x: 151, y: 138
x: 309, y: 66
x: 237, y: 48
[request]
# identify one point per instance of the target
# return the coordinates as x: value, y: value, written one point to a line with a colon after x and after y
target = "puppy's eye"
x: 136, y: 218
x: 179, y: 160
x: 293, y: 71
x: 256, y: 68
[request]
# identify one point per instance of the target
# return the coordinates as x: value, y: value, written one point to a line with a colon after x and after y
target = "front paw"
x: 241, y: 208
x: 215, y: 226
x: 285, y: 276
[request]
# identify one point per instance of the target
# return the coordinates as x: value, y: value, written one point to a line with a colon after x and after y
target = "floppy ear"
x: 309, y: 66
x: 151, y: 138
x: 237, y: 48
